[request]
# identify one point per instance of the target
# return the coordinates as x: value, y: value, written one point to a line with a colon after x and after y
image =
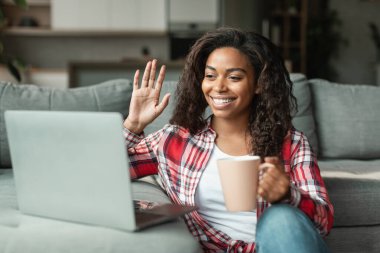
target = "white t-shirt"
x: 209, y: 199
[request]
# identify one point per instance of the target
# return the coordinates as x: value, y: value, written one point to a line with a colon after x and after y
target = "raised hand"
x: 145, y: 105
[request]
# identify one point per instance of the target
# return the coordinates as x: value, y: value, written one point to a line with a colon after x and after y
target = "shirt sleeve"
x: 142, y: 153
x: 307, y: 190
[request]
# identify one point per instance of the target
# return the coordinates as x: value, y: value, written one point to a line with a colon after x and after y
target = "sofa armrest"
x: 148, y: 191
x: 21, y: 233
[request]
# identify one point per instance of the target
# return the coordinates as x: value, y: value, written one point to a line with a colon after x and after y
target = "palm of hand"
x: 145, y: 105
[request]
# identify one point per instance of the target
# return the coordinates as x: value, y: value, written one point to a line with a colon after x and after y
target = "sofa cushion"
x: 108, y: 96
x: 163, y: 119
x: 347, y: 119
x: 303, y: 119
x: 22, y: 233
x: 354, y: 190
x: 354, y: 239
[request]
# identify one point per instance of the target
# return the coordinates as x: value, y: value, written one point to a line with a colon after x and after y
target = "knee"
x: 281, y: 224
x: 282, y: 218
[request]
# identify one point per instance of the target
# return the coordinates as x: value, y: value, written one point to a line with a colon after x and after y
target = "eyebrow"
x: 228, y: 70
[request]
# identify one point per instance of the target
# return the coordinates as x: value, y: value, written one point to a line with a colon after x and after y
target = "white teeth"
x: 219, y: 101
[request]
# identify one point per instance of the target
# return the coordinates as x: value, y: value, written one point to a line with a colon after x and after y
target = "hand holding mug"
x: 274, y: 185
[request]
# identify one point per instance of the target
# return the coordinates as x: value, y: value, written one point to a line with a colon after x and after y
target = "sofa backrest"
x: 108, y: 96
x: 347, y: 117
x: 158, y: 123
x: 340, y: 121
x: 303, y: 119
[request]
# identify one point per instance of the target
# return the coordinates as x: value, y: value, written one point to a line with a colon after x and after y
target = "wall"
x: 56, y: 52
x: 49, y: 56
x: 354, y: 65
x: 356, y: 61
x: 246, y: 14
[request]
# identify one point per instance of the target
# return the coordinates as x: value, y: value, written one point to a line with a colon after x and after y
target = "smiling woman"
x: 269, y: 117
x: 243, y: 80
x: 229, y: 85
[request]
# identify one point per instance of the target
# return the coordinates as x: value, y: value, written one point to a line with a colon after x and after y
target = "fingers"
x: 146, y: 76
x: 161, y: 106
x: 161, y: 75
x: 272, y: 162
x: 272, y: 159
x: 152, y: 74
x: 160, y: 79
x: 265, y: 190
x: 149, y: 76
x: 274, y: 183
x: 136, y: 80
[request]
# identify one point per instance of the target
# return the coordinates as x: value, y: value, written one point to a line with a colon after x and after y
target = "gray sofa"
x: 22, y: 234
x: 342, y: 123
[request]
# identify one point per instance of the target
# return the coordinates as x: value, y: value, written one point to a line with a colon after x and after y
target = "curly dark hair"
x: 270, y: 111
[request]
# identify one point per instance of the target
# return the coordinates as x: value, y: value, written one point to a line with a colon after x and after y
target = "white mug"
x: 239, y: 180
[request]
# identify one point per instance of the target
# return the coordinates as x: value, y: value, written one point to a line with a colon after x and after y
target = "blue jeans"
x: 283, y: 228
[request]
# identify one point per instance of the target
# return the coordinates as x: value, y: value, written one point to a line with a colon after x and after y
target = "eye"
x: 235, y: 78
x: 209, y: 76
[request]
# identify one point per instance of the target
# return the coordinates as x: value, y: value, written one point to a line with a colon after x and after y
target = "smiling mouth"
x: 222, y: 101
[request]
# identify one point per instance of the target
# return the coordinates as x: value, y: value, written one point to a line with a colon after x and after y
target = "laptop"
x: 74, y: 166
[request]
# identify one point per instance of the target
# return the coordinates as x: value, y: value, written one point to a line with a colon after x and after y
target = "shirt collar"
x: 208, y: 127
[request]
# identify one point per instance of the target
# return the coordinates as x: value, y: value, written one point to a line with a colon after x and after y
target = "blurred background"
x: 70, y: 43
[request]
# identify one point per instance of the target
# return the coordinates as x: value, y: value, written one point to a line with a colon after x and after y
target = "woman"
x: 242, y: 78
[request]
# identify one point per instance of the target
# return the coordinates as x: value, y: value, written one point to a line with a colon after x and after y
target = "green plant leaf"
x: 14, y: 70
x: 16, y: 66
x: 21, y: 3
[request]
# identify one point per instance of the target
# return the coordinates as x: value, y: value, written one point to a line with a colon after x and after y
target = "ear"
x: 257, y: 88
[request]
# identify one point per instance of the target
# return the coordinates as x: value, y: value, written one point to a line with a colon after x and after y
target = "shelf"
x: 125, y: 63
x: 47, y: 32
x: 82, y: 73
x: 30, y: 4
x: 295, y: 44
x: 288, y: 31
x: 282, y: 14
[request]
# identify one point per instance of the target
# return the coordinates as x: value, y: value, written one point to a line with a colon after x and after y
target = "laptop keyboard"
x: 144, y: 204
x: 144, y: 217
x: 155, y: 213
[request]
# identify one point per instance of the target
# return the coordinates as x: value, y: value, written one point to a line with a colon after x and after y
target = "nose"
x: 220, y: 85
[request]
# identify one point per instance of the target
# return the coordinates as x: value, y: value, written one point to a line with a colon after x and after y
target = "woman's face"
x: 229, y: 83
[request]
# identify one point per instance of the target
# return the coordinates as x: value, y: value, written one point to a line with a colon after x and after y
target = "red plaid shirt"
x: 180, y: 159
